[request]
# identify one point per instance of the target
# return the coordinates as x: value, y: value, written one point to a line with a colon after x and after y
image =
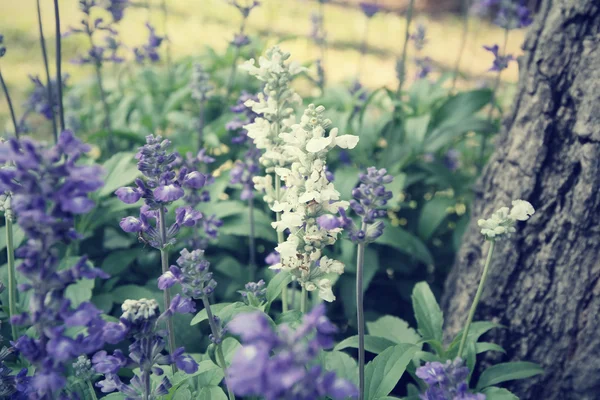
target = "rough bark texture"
x: 544, y: 284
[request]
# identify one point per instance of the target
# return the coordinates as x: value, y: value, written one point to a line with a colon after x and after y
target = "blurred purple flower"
x: 369, y: 9
x: 500, y: 61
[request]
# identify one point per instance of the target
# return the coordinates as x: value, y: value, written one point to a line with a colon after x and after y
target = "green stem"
x: 92, y: 391
x: 409, y: 14
x: 236, y: 55
x: 303, y: 301
x: 251, y: 240
x: 10, y: 105
x: 47, y: 69
x: 463, y: 41
x: 12, y: 281
x: 217, y: 339
x: 360, y: 317
x: 61, y: 111
x: 486, y: 266
x: 164, y: 258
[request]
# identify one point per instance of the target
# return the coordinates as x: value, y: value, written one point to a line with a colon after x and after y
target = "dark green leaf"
x: 427, y: 312
x: 276, y: 285
x: 215, y: 308
x: 383, y: 373
x: 393, y: 329
x: 485, y: 346
x: 507, y: 372
x: 496, y: 393
x: 342, y: 364
x: 373, y: 344
x: 459, y: 107
x: 120, y: 170
x: 406, y: 242
x: 433, y: 213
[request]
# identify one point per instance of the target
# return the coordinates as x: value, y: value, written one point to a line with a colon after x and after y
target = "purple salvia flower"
x: 116, y: 8
x: 49, y: 189
x: 149, y: 51
x: 139, y: 321
x: 423, y: 67
x: 500, y: 61
x: 38, y: 101
x: 255, y: 293
x: 446, y: 381
x: 369, y: 198
x: 273, y: 364
x: 243, y: 172
x: 509, y: 14
x: 273, y: 258
x: 419, y: 37
x: 369, y: 9
x: 245, y: 116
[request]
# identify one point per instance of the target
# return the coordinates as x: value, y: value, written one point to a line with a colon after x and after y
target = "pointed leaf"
x: 394, y: 329
x: 507, y: 372
x: 427, y: 312
x: 496, y: 393
x: 276, y: 285
x: 383, y: 373
x: 373, y: 344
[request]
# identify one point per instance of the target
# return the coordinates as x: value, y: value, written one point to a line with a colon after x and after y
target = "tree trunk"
x: 544, y: 283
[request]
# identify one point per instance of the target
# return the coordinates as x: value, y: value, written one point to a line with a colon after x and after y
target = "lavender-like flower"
x: 359, y: 95
x: 509, y: 14
x: 149, y: 50
x: 419, y: 37
x: 244, y: 171
x: 139, y: 322
x: 500, y: 61
x: 12, y: 386
x: 255, y: 293
x: 446, y: 381
x: 423, y: 67
x: 116, y: 8
x: 38, y: 100
x: 273, y: 364
x: 369, y: 9
x: 48, y: 190
x: 244, y: 116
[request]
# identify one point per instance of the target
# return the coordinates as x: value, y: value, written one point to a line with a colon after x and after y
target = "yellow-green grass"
x: 194, y: 24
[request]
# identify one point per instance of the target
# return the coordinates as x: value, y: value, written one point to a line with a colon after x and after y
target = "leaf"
x: 118, y: 261
x: 433, y: 213
x: 476, y: 329
x: 345, y: 180
x: 18, y: 237
x: 276, y: 285
x: 394, y: 329
x: 486, y: 346
x: 215, y: 308
x: 373, y: 344
x: 496, y: 393
x: 459, y: 107
x: 211, y: 393
x: 507, y: 372
x: 427, y: 312
x: 209, y: 374
x: 120, y: 170
x: 406, y: 242
x: 342, y: 364
x: 290, y: 317
x: 80, y: 291
x: 383, y: 373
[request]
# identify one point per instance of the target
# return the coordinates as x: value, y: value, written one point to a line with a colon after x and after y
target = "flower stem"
x: 486, y: 266
x: 201, y: 123
x: 92, y: 391
x: 10, y: 105
x: 12, y: 281
x: 284, y: 291
x: 61, y: 111
x: 360, y: 318
x: 47, y: 69
x: 463, y: 41
x: 165, y: 12
x: 251, y: 240
x: 164, y: 258
x: 146, y: 381
x: 217, y: 337
x: 491, y: 111
x: 303, y: 300
x: 409, y: 13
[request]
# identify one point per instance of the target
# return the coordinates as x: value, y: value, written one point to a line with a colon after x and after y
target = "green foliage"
x: 383, y: 373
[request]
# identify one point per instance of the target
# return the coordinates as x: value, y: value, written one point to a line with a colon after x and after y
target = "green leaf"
x: 290, y: 317
x: 209, y: 374
x: 496, y: 393
x: 433, y: 213
x: 211, y: 393
x: 476, y: 329
x: 120, y: 170
x: 486, y: 346
x: 215, y: 308
x: 118, y: 261
x: 406, y: 242
x: 80, y: 291
x: 373, y: 344
x: 383, y: 373
x: 18, y: 237
x: 460, y: 107
x: 507, y: 372
x: 342, y: 364
x: 276, y: 285
x: 427, y: 312
x: 393, y: 329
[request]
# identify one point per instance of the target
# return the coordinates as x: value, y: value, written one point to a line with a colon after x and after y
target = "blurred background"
x: 195, y: 24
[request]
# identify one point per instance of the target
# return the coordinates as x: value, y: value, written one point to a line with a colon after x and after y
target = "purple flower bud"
x: 114, y: 332
x: 169, y: 278
x: 131, y: 224
x: 329, y: 222
x: 182, y: 305
x: 195, y: 180
x: 184, y: 361
x: 273, y: 258
x: 369, y: 9
x: 105, y: 364
x: 129, y: 195
x: 168, y: 193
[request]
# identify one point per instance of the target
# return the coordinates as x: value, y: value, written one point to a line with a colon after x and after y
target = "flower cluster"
x: 200, y: 83
x: 48, y: 190
x: 149, y: 50
x: 241, y: 39
x: 317, y: 33
x: 244, y: 116
x: 255, y: 293
x: 369, y: 198
x: 500, y: 61
x: 97, y: 55
x: 273, y: 364
x: 503, y: 221
x: 39, y: 101
x: 446, y: 381
x: 359, y: 95
x: 162, y: 185
x: 139, y: 321
x: 509, y: 14
x: 309, y: 194
x: 244, y: 171
x: 419, y: 39
x: 12, y: 386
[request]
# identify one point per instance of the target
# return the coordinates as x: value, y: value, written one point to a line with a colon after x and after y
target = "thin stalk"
x: 303, y: 300
x: 201, y: 123
x: 92, y: 391
x: 360, y: 317
x: 147, y: 387
x: 47, y: 69
x: 363, y: 49
x: 12, y: 280
x: 251, y: 240
x: 217, y: 337
x: 491, y: 110
x: 164, y: 258
x: 409, y: 14
x: 236, y: 55
x: 284, y: 291
x: 165, y: 12
x: 61, y: 111
x: 486, y: 266
x: 463, y: 41
x: 10, y: 105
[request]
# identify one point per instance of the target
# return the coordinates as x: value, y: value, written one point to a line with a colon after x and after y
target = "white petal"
x: 317, y: 144
x: 346, y: 141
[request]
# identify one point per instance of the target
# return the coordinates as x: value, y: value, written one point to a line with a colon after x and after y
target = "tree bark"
x: 544, y: 283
